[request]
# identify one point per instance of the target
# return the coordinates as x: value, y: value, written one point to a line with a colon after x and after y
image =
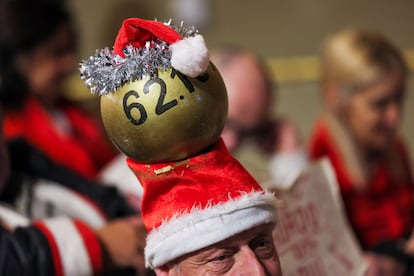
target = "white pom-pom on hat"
x: 190, y: 56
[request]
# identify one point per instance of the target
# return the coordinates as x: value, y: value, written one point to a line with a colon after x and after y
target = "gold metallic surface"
x: 150, y: 127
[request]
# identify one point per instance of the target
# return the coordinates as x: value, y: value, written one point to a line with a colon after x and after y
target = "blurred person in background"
x: 56, y: 150
x: 363, y: 84
x: 250, y: 95
x: 62, y: 245
x: 37, y: 53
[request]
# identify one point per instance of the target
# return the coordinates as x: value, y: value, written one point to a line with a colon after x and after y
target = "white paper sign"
x: 313, y: 237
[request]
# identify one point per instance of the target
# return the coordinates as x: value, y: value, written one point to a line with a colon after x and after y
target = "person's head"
x: 207, y: 202
x: 363, y: 81
x: 251, y: 252
x: 37, y: 50
x: 249, y: 90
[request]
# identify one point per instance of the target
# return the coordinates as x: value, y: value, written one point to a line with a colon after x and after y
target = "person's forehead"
x: 244, y: 78
x: 244, y: 63
x: 389, y: 85
x: 241, y: 238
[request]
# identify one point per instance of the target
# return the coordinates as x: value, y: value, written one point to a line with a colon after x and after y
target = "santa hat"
x: 198, y: 202
x: 204, y: 199
x: 142, y: 47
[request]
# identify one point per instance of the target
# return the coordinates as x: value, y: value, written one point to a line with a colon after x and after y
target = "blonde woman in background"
x: 363, y: 82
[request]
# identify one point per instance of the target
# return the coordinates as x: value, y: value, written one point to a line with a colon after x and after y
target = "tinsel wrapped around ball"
x: 168, y: 117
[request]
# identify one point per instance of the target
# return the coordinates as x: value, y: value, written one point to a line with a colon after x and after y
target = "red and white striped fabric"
x: 11, y: 219
x: 74, y: 246
x: 65, y: 202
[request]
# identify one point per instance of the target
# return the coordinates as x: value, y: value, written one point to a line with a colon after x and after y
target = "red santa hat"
x: 204, y: 199
x: 194, y: 203
x: 142, y: 47
x: 189, y: 54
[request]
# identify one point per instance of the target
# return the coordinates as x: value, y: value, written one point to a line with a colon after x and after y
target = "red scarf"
x: 379, y: 206
x: 83, y: 150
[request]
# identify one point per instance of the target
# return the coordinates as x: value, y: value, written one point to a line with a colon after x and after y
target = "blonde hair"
x: 354, y: 58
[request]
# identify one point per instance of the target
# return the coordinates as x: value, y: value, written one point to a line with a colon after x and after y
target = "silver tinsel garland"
x: 106, y: 71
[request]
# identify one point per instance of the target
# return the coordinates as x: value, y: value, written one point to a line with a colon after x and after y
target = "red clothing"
x: 384, y: 208
x: 84, y: 149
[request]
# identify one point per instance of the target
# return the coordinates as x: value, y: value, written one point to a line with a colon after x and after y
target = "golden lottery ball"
x: 166, y: 118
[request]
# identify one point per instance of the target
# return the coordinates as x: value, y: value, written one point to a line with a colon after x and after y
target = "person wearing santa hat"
x: 164, y: 106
